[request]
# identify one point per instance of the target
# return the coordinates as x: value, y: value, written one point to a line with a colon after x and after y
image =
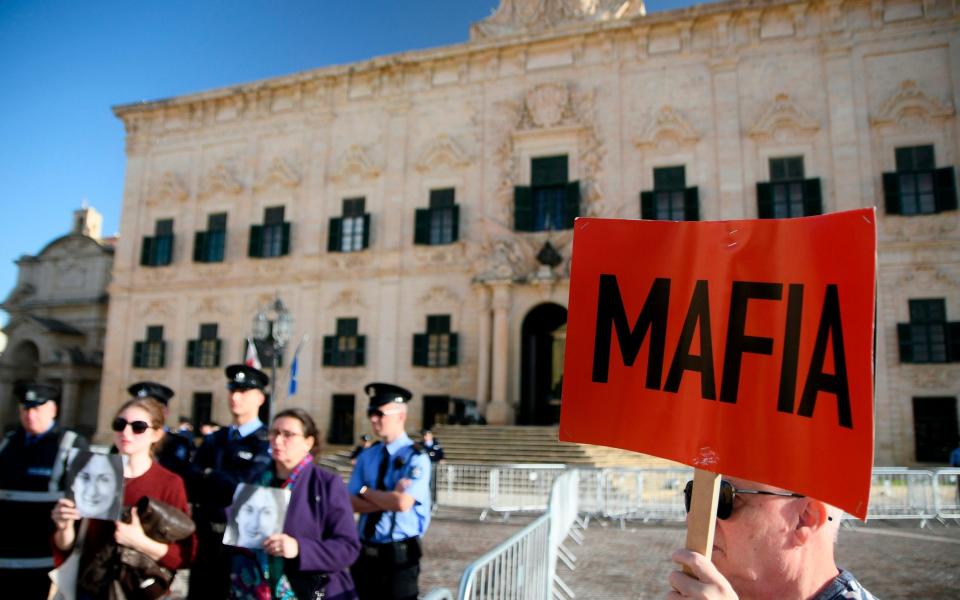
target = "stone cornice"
x: 317, y: 84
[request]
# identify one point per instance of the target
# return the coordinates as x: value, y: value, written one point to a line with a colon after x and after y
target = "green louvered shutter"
x: 945, y: 189
x: 522, y: 208
x: 953, y: 342
x: 255, y: 247
x: 138, y: 354
x: 421, y: 226
x: 420, y: 347
x: 216, y: 354
x: 454, y: 349
x: 146, y: 252
x: 361, y: 351
x: 335, y: 236
x: 891, y: 193
x: 812, y: 199
x: 285, y: 239
x: 691, y: 204
x: 647, y: 209
x: 571, y: 204
x: 366, y: 231
x: 764, y: 201
x: 199, y: 246
x: 329, y: 344
x: 455, y: 211
x: 905, y: 341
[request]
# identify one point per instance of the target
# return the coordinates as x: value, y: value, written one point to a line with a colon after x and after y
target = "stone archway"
x: 541, y: 367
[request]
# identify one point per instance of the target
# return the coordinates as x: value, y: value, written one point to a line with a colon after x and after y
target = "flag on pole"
x: 252, y: 359
x: 294, y: 365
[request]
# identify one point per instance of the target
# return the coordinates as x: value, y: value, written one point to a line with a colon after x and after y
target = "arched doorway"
x: 543, y: 335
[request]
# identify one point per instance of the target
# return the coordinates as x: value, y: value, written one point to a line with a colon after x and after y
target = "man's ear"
x: 813, y: 516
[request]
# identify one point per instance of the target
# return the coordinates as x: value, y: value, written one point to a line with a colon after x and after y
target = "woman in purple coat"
x: 311, y: 558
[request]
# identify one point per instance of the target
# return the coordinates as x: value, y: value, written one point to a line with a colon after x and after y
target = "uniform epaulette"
x: 419, y: 448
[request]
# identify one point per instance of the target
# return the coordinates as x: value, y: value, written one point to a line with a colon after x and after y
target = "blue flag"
x: 293, y: 374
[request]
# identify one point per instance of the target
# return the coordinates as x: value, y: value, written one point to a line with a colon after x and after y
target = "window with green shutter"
x: 550, y: 202
x: 440, y: 223
x: 788, y: 193
x: 157, y: 250
x: 346, y: 348
x: 438, y: 346
x: 151, y: 352
x: 670, y: 199
x: 350, y: 232
x: 928, y: 337
x: 917, y: 187
x: 210, y: 246
x: 204, y: 352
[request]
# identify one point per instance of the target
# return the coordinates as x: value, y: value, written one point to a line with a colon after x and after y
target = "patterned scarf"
x: 255, y: 575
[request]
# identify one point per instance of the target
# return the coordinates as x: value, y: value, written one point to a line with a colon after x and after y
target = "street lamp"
x: 273, y: 322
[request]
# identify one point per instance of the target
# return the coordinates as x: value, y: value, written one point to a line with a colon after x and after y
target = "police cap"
x: 241, y: 377
x: 31, y: 395
x: 151, y: 389
x: 386, y: 393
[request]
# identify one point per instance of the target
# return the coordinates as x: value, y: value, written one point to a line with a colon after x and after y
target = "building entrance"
x: 543, y: 333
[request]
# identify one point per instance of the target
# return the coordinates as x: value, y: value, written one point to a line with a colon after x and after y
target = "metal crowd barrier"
x: 946, y: 493
x: 901, y: 494
x: 524, y: 566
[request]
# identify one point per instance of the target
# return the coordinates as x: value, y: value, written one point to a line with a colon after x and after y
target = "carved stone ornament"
x: 911, y: 106
x: 529, y: 16
x: 279, y: 173
x: 783, y: 114
x: 437, y: 378
x: 347, y: 299
x: 167, y: 188
x: 667, y: 124
x: 220, y: 179
x: 441, y: 151
x: 355, y: 163
x: 503, y: 255
x: 210, y: 305
x: 440, y: 296
x: 156, y: 308
x: 546, y: 105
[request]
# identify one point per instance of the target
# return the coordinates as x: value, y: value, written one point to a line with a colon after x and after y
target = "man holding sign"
x: 769, y: 543
x: 747, y: 349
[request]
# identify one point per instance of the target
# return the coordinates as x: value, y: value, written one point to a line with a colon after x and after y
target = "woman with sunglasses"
x: 319, y: 540
x: 138, y: 431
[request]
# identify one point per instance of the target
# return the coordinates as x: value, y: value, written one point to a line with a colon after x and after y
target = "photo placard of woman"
x: 257, y: 512
x: 138, y: 431
x: 95, y: 484
x: 319, y: 539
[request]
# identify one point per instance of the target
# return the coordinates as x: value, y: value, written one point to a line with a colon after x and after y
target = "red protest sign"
x: 738, y: 347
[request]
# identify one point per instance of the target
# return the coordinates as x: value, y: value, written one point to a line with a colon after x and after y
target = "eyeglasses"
x: 376, y: 412
x: 727, y: 492
x: 286, y: 435
x: 138, y: 427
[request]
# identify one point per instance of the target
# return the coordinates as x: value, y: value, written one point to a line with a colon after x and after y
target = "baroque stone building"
x: 58, y: 318
x: 414, y: 211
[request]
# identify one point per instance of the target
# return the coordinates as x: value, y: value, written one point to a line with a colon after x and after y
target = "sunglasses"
x: 138, y: 427
x: 376, y: 412
x: 727, y: 492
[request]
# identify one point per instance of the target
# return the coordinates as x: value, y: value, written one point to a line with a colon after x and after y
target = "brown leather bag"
x: 141, y: 578
x: 162, y: 522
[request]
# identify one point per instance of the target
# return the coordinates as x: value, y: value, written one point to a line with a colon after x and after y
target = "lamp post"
x: 273, y: 322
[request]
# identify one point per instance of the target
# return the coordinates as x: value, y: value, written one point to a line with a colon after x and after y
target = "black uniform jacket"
x: 219, y: 465
x: 27, y: 526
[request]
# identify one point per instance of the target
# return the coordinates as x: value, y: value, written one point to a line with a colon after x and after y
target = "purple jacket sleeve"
x: 322, y: 523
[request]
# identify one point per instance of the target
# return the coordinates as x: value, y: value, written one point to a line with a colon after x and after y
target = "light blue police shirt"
x: 405, y: 462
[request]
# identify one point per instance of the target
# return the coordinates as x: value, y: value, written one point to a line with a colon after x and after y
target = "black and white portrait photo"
x: 256, y: 513
x: 95, y: 483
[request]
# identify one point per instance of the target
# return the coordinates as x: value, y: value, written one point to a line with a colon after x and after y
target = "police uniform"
x: 435, y: 452
x: 389, y: 562
x: 175, y: 450
x: 31, y: 471
x: 227, y: 457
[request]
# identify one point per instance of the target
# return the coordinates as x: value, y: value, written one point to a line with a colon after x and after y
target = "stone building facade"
x: 58, y: 318
x: 413, y: 211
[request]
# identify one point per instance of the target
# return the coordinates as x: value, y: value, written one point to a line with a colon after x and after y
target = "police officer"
x: 175, y: 451
x: 227, y: 457
x: 431, y: 445
x: 390, y: 488
x: 33, y: 458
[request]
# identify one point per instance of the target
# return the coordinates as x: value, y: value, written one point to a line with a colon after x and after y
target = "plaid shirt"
x: 845, y: 587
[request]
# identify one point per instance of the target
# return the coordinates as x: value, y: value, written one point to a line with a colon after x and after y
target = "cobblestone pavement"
x: 893, y: 560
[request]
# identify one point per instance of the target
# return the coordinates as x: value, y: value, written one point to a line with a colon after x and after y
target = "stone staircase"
x: 491, y: 444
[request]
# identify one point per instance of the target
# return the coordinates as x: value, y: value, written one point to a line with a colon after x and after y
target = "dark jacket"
x: 221, y: 464
x: 320, y: 518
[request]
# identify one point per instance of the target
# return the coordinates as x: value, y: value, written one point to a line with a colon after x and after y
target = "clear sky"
x: 64, y: 63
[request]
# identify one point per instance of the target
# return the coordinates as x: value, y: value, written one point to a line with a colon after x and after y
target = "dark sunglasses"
x: 727, y: 492
x: 138, y: 427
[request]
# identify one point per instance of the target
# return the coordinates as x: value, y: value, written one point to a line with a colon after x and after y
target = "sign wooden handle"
x: 702, y: 520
